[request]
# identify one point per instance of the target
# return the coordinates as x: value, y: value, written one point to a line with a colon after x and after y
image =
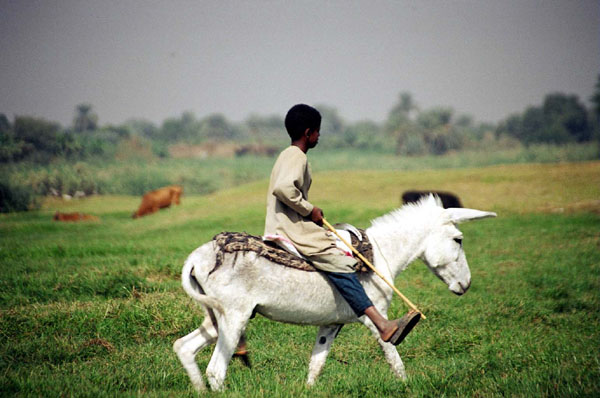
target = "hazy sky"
x: 156, y: 59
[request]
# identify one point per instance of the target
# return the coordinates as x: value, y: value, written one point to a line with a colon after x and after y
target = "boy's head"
x: 301, y: 117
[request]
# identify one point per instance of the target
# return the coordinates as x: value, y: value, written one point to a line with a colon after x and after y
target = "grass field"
x: 92, y: 309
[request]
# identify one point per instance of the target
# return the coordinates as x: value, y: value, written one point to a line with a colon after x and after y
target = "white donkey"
x: 246, y: 283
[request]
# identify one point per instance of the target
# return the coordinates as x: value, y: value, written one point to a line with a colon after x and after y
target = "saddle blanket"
x: 286, y: 244
x: 281, y: 251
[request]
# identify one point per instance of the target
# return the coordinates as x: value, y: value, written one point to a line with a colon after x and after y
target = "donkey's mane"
x: 410, y: 213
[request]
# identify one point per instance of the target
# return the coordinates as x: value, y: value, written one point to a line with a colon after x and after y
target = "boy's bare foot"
x: 388, y: 330
x: 404, y: 326
x: 393, y: 331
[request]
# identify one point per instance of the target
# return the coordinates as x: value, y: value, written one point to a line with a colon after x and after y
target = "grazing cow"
x: 448, y: 199
x: 58, y: 216
x: 158, y: 199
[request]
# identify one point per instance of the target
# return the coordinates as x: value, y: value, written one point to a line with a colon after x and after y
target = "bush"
x: 65, y: 178
x: 16, y: 198
x: 133, y: 181
x: 411, y: 144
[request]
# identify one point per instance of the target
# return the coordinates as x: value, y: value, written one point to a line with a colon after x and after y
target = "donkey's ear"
x: 458, y: 215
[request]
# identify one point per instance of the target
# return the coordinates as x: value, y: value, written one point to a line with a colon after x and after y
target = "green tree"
x: 400, y: 114
x: 532, y: 125
x: 471, y: 133
x: 565, y: 118
x: 147, y: 130
x: 464, y: 121
x: 595, y: 99
x: 332, y: 123
x: 10, y: 148
x: 85, y: 119
x: 364, y: 134
x: 410, y: 141
x: 142, y: 127
x: 267, y: 128
x: 400, y: 127
x: 595, y: 114
x: 5, y: 126
x: 560, y: 119
x: 35, y: 138
x: 435, y: 118
x: 215, y: 127
x: 511, y: 126
x: 438, y: 131
x: 185, y: 128
x: 39, y: 135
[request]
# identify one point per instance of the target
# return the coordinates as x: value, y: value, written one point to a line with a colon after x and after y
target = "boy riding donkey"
x: 291, y: 215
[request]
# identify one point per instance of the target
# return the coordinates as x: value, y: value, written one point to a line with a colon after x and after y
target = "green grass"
x: 92, y: 309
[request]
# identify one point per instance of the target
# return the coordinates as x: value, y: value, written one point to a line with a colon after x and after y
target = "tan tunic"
x: 288, y: 213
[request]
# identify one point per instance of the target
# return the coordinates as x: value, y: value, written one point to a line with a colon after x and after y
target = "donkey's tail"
x: 194, y: 290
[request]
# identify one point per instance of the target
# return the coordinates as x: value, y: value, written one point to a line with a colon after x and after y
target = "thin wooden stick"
x: 368, y: 263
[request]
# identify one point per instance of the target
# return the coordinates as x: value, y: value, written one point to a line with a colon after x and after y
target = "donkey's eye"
x: 458, y: 240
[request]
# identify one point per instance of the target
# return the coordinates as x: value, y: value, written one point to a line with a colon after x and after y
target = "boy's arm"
x: 292, y: 197
x: 287, y: 188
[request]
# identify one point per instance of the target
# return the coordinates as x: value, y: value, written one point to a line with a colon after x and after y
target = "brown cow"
x: 158, y: 199
x: 58, y: 216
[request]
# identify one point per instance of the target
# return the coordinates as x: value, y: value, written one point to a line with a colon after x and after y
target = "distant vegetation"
x: 408, y: 129
x: 41, y: 157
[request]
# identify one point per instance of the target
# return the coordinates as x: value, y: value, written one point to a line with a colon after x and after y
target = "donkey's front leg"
x: 389, y: 350
x: 319, y: 354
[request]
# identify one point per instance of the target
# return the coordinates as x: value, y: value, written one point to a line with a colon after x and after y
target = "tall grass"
x: 134, y: 177
x: 201, y: 176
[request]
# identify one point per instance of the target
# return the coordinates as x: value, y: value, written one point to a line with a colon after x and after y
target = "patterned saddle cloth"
x: 234, y: 242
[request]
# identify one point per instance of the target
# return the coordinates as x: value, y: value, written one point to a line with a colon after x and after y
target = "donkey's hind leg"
x: 231, y: 328
x: 188, y: 346
x: 389, y: 350
x: 325, y: 337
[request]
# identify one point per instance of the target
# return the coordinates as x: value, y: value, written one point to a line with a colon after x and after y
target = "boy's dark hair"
x: 301, y: 117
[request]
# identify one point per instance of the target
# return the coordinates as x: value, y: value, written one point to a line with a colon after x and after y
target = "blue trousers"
x: 351, y: 290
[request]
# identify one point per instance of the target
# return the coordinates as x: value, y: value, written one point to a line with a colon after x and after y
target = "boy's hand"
x: 317, y: 216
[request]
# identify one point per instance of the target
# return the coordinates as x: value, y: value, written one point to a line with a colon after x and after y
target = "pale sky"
x: 157, y: 59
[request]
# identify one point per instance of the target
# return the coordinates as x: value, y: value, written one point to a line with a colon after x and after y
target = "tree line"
x: 408, y: 129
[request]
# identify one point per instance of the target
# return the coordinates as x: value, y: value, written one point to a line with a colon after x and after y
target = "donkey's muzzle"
x: 460, y: 288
